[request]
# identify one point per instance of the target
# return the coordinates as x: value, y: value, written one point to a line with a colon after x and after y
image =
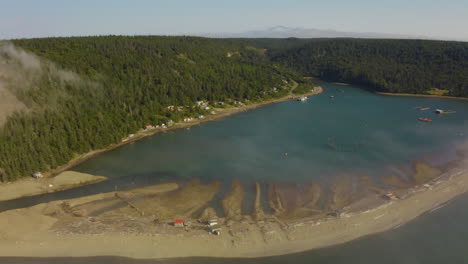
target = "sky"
x: 45, y: 18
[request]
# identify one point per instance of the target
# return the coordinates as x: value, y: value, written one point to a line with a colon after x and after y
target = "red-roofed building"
x: 179, y: 223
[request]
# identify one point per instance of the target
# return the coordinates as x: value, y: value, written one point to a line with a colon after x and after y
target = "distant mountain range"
x: 297, y: 32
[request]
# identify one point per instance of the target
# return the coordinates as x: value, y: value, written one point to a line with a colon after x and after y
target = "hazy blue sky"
x: 40, y: 18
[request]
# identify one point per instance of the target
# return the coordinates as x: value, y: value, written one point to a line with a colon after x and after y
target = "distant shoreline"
x: 423, y: 95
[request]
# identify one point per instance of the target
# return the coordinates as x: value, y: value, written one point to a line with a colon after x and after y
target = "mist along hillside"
x: 403, y: 66
x: 85, y: 93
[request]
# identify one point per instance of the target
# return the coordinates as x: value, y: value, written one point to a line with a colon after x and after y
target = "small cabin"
x: 37, y: 175
x: 179, y: 223
x: 212, y: 222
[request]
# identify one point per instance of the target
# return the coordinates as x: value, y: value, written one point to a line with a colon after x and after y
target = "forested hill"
x: 401, y: 66
x: 85, y: 93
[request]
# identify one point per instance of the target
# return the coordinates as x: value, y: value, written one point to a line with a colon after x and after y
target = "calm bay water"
x: 354, y: 133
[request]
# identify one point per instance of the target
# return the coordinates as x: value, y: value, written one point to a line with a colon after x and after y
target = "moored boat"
x: 424, y: 119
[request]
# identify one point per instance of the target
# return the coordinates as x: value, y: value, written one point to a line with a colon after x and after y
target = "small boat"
x: 439, y: 111
x: 332, y: 96
x: 424, y: 119
x: 422, y: 108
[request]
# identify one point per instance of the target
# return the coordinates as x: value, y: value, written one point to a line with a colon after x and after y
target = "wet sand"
x: 55, y: 229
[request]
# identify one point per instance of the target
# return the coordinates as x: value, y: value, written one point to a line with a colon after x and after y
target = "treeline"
x: 121, y: 84
x: 97, y: 90
x: 397, y: 66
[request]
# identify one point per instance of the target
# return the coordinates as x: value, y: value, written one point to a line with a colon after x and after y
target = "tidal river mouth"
x: 335, y: 142
x: 344, y: 136
x: 284, y: 178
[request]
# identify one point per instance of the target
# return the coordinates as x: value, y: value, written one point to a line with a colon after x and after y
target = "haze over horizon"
x: 431, y: 19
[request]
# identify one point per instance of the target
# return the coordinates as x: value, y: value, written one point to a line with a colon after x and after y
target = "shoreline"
x: 422, y: 95
x: 29, y: 186
x: 141, y: 134
x: 34, y: 230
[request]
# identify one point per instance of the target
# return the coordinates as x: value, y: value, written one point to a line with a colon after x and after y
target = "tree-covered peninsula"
x: 80, y: 94
x: 395, y: 66
x: 85, y: 93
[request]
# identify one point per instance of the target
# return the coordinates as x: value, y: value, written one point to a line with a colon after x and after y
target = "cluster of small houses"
x: 202, y: 104
x: 212, y: 225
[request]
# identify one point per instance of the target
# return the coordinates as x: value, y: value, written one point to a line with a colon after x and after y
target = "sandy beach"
x: 138, y: 223
x: 63, y: 181
x: 73, y: 228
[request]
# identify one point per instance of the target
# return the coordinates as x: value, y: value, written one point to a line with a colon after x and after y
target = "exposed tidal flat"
x: 439, y: 236
x: 281, y: 179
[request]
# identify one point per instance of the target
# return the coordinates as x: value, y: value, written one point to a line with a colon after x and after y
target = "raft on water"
x: 424, y: 119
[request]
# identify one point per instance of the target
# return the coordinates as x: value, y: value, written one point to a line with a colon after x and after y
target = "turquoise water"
x: 357, y: 132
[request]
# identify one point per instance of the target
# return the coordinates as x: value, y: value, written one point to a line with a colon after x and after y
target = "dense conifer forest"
x: 396, y: 66
x: 99, y: 90
x: 85, y: 93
